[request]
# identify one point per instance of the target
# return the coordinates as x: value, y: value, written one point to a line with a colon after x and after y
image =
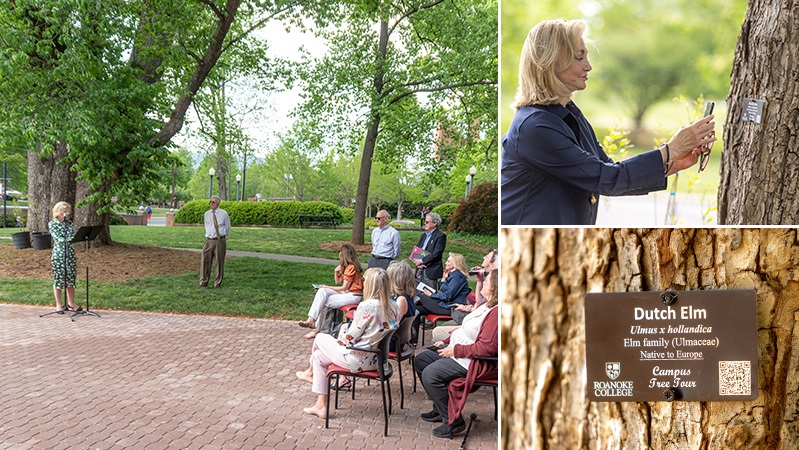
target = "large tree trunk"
x: 760, y: 165
x: 87, y: 215
x: 546, y: 274
x: 362, y: 194
x: 48, y: 184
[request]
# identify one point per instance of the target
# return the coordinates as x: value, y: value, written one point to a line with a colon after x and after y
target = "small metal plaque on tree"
x: 675, y: 345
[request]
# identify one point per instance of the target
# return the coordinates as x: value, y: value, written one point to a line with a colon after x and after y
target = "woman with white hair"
x: 63, y: 260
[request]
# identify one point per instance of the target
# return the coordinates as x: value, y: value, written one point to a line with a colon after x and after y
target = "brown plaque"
x: 676, y: 345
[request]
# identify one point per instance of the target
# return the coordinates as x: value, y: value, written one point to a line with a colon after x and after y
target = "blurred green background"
x: 654, y: 65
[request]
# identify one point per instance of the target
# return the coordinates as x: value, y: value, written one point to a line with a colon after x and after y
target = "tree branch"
x: 411, y: 11
x: 213, y: 7
x: 439, y: 88
x: 259, y: 24
x: 209, y: 59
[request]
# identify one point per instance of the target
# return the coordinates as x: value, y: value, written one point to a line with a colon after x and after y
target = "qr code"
x: 735, y: 378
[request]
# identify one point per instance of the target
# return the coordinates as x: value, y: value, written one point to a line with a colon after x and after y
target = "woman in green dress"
x: 65, y: 268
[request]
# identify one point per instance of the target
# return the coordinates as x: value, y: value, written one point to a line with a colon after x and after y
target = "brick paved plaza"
x: 157, y: 381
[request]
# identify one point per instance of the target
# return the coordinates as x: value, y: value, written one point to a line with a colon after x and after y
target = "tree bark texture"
x: 48, y: 184
x: 87, y: 215
x: 760, y: 163
x: 546, y: 274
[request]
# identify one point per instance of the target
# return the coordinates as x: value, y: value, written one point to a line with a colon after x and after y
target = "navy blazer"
x: 453, y: 290
x: 438, y: 241
x: 554, y: 170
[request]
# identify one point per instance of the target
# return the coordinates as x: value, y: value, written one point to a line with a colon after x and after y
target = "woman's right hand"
x: 694, y: 136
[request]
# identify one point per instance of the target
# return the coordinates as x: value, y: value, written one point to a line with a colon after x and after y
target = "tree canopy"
x: 394, y: 72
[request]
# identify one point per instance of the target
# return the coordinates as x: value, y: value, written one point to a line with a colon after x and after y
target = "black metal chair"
x: 382, y: 374
x: 492, y: 383
x: 404, y: 351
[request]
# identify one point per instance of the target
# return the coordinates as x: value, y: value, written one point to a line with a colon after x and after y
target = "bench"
x: 317, y: 220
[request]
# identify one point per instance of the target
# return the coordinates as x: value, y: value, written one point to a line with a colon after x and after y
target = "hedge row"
x: 282, y: 214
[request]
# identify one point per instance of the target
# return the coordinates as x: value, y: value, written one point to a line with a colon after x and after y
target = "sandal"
x: 311, y: 334
x: 345, y: 386
x: 306, y: 324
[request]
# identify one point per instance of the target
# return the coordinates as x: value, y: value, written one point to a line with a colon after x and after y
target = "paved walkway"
x: 165, y: 381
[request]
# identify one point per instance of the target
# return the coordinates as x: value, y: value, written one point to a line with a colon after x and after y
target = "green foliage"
x: 346, y: 214
x: 116, y: 219
x: 445, y: 210
x: 616, y: 143
x: 279, y: 214
x: 484, y: 241
x: 386, y: 88
x: 478, y: 214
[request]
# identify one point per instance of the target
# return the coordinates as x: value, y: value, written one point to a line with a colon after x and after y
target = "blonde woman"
x: 452, y: 292
x: 402, y: 287
x: 63, y: 260
x: 553, y: 168
x: 375, y: 315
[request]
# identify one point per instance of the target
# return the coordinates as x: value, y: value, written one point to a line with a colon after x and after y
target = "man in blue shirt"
x: 386, y: 243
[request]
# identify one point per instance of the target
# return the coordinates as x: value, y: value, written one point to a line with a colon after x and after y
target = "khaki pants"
x: 213, y: 249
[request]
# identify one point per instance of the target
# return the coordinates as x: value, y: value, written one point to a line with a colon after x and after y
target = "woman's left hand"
x: 447, y: 352
x: 686, y: 161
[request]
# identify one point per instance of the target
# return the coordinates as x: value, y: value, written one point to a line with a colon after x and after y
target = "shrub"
x: 477, y: 214
x: 281, y: 214
x: 116, y: 219
x: 347, y: 215
x: 445, y: 209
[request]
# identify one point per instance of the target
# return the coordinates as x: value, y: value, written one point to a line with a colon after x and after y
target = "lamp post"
x: 238, y: 185
x: 211, y: 172
x: 470, y: 180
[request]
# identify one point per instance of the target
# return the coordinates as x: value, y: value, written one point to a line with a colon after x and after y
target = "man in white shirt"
x: 386, y: 244
x: 217, y: 229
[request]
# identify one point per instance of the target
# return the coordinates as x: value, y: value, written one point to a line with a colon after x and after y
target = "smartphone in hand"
x: 704, y: 157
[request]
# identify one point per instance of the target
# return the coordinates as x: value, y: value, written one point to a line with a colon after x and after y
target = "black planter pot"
x: 42, y: 241
x: 21, y: 239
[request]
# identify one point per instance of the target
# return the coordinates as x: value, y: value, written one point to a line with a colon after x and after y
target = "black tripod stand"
x: 64, y: 308
x: 86, y: 234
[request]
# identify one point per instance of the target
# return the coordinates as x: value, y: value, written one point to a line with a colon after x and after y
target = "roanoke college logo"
x: 612, y: 369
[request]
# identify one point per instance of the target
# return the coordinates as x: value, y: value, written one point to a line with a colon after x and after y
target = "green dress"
x: 61, y: 244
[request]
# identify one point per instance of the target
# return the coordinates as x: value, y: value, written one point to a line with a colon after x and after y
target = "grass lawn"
x: 284, y: 241
x: 253, y: 287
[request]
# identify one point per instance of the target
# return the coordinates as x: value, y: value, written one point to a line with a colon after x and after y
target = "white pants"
x: 326, y: 351
x: 329, y: 299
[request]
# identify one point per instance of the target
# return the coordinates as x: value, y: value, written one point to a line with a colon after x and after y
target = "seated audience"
x: 402, y: 286
x: 454, y: 357
x: 348, y: 273
x: 375, y: 315
x: 474, y: 299
x: 452, y: 292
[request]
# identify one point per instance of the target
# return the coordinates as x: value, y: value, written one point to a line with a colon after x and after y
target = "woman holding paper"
x: 349, y: 274
x: 454, y: 289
